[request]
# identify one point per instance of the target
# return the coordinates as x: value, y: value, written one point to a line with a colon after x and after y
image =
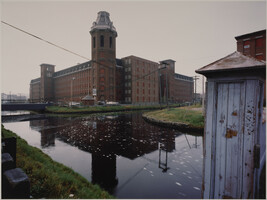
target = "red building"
x: 131, y: 79
x: 254, y: 45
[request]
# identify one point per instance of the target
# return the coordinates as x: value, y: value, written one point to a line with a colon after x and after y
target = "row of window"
x: 128, y: 99
x: 128, y: 77
x: 128, y: 61
x: 137, y: 91
x: 128, y: 69
x: 258, y: 43
x: 102, y: 41
x: 128, y: 84
x: 128, y: 91
x: 143, y: 99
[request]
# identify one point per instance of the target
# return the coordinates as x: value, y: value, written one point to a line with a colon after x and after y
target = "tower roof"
x: 103, y: 22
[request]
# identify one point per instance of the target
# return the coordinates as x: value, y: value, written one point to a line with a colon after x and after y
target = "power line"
x: 39, y: 38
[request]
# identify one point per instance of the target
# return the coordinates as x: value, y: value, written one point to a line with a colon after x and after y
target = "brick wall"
x: 253, y: 44
x: 141, y: 80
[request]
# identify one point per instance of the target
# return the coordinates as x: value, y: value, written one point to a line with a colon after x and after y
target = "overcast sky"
x: 192, y: 33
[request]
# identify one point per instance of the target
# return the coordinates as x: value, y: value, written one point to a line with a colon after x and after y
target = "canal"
x: 122, y: 153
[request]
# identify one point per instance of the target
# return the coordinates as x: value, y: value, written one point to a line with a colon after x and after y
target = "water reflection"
x: 110, y: 138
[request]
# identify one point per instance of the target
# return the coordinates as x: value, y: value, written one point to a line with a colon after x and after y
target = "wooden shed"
x: 234, y: 106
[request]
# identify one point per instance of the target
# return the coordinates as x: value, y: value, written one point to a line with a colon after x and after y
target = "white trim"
x: 246, y: 39
x: 259, y: 37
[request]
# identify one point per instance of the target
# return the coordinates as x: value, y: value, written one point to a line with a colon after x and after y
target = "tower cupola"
x: 103, y: 22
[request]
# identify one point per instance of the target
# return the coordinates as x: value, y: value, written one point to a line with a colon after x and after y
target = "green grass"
x: 58, y: 109
x: 49, y: 179
x: 185, y: 115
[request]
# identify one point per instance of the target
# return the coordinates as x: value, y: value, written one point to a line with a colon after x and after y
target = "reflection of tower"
x: 163, y: 164
x: 104, y: 171
x: 195, y: 145
x: 167, y: 144
x: 47, y: 138
x: 103, y: 35
x: 167, y: 141
x: 47, y: 135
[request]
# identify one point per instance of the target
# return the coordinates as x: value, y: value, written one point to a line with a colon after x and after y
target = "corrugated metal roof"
x: 234, y: 61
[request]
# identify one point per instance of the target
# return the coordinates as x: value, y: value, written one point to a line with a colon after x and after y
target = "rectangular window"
x: 246, y: 44
x: 102, y: 79
x: 110, y: 42
x: 102, y: 41
x: 93, y: 43
x: 259, y: 42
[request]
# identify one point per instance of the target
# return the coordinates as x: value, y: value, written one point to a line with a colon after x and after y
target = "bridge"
x: 24, y: 106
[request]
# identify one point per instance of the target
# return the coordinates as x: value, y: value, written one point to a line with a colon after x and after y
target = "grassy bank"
x: 96, y: 109
x: 50, y: 179
x: 190, y: 115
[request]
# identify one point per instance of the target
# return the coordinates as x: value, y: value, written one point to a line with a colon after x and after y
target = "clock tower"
x: 103, y: 40
x: 46, y: 82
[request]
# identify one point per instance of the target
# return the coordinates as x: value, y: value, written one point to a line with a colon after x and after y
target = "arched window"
x: 102, y: 41
x: 110, y: 42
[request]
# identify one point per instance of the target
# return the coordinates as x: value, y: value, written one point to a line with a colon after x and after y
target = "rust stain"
x: 234, y: 113
x: 230, y: 133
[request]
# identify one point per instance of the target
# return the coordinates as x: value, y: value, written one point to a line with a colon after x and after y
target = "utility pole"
x: 167, y: 98
x: 160, y: 88
x: 195, y: 79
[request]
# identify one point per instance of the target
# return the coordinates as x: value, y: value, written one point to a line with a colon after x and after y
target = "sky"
x: 193, y: 33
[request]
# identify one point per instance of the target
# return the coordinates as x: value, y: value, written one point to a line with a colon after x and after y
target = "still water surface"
x: 122, y: 153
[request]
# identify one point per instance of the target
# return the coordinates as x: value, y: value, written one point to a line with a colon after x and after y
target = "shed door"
x: 229, y: 140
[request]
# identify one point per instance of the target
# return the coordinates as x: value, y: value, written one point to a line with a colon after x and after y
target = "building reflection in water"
x: 47, y: 135
x: 104, y: 171
x: 128, y: 136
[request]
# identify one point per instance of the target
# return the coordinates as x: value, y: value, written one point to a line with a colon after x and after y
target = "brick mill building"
x: 253, y: 45
x: 130, y: 80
